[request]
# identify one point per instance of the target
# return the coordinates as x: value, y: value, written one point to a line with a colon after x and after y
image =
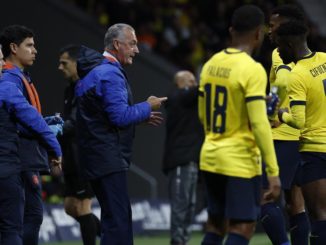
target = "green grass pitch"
x: 258, y: 239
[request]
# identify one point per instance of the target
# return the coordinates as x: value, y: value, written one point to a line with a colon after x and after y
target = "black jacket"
x: 68, y: 140
x: 184, y: 133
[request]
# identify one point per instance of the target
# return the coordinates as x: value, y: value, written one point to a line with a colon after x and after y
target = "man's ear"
x: 116, y: 44
x: 13, y: 48
x: 258, y: 32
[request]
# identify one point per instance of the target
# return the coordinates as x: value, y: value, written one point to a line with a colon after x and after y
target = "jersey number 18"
x: 217, y: 125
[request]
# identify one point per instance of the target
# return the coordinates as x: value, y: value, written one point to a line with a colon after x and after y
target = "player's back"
x: 308, y: 81
x: 228, y: 81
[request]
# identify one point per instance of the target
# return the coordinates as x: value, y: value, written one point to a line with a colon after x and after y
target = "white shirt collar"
x: 107, y: 54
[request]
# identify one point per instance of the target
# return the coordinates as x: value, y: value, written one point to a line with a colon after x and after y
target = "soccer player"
x: 78, y: 192
x: 233, y: 111
x: 286, y: 142
x: 306, y: 90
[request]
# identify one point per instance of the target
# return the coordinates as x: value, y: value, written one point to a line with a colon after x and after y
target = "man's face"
x: 286, y: 50
x: 25, y: 53
x: 127, y: 47
x: 1, y: 62
x: 274, y: 22
x: 68, y: 67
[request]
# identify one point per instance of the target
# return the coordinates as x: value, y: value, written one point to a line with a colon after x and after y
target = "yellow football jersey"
x: 227, y: 81
x: 307, y: 86
x: 278, y: 78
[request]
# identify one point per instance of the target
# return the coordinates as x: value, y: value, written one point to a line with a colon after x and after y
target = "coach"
x: 106, y: 117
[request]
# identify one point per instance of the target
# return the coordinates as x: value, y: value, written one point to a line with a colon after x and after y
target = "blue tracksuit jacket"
x: 106, y: 115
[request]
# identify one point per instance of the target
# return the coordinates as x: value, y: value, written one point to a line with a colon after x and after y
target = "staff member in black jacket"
x: 184, y: 137
x: 78, y: 192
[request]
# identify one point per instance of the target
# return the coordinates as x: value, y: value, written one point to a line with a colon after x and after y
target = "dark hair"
x: 72, y: 50
x: 247, y: 18
x: 13, y: 34
x: 290, y: 11
x: 292, y: 28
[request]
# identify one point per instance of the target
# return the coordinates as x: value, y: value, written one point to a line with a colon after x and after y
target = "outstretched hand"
x: 155, y: 118
x: 156, y: 102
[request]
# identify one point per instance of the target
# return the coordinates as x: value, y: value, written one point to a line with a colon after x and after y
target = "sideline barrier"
x: 148, y: 216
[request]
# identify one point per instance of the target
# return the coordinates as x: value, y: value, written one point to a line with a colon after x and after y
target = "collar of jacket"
x: 29, y: 86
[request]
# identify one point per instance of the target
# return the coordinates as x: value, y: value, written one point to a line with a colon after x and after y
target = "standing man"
x: 286, y: 142
x: 19, y: 52
x: 184, y: 137
x: 14, y: 108
x: 106, y: 119
x: 306, y: 90
x: 233, y: 111
x: 78, y: 192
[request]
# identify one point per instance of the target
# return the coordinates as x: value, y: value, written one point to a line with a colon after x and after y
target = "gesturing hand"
x: 155, y: 118
x: 156, y: 102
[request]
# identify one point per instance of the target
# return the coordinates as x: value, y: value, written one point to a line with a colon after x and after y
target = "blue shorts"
x: 313, y: 167
x: 233, y: 197
x: 288, y: 158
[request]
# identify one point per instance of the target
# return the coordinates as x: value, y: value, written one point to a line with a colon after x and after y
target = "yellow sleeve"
x: 201, y: 104
x: 282, y: 76
x: 298, y: 95
x: 263, y: 134
x: 256, y: 83
x: 296, y: 118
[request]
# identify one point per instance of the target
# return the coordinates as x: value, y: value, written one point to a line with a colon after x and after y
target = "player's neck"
x: 303, y: 51
x: 243, y: 47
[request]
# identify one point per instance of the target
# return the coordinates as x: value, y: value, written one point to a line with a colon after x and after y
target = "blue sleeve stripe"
x: 248, y: 99
x: 297, y: 102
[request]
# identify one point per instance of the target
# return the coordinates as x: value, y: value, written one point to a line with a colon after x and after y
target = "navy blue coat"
x: 106, y: 115
x: 32, y: 152
x: 14, y: 108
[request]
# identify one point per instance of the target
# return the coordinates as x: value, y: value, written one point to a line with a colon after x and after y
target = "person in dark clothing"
x: 19, y: 52
x: 106, y: 119
x: 184, y: 137
x: 14, y: 108
x: 78, y: 191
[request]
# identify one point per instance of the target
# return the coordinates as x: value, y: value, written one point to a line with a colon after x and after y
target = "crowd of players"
x: 232, y: 108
